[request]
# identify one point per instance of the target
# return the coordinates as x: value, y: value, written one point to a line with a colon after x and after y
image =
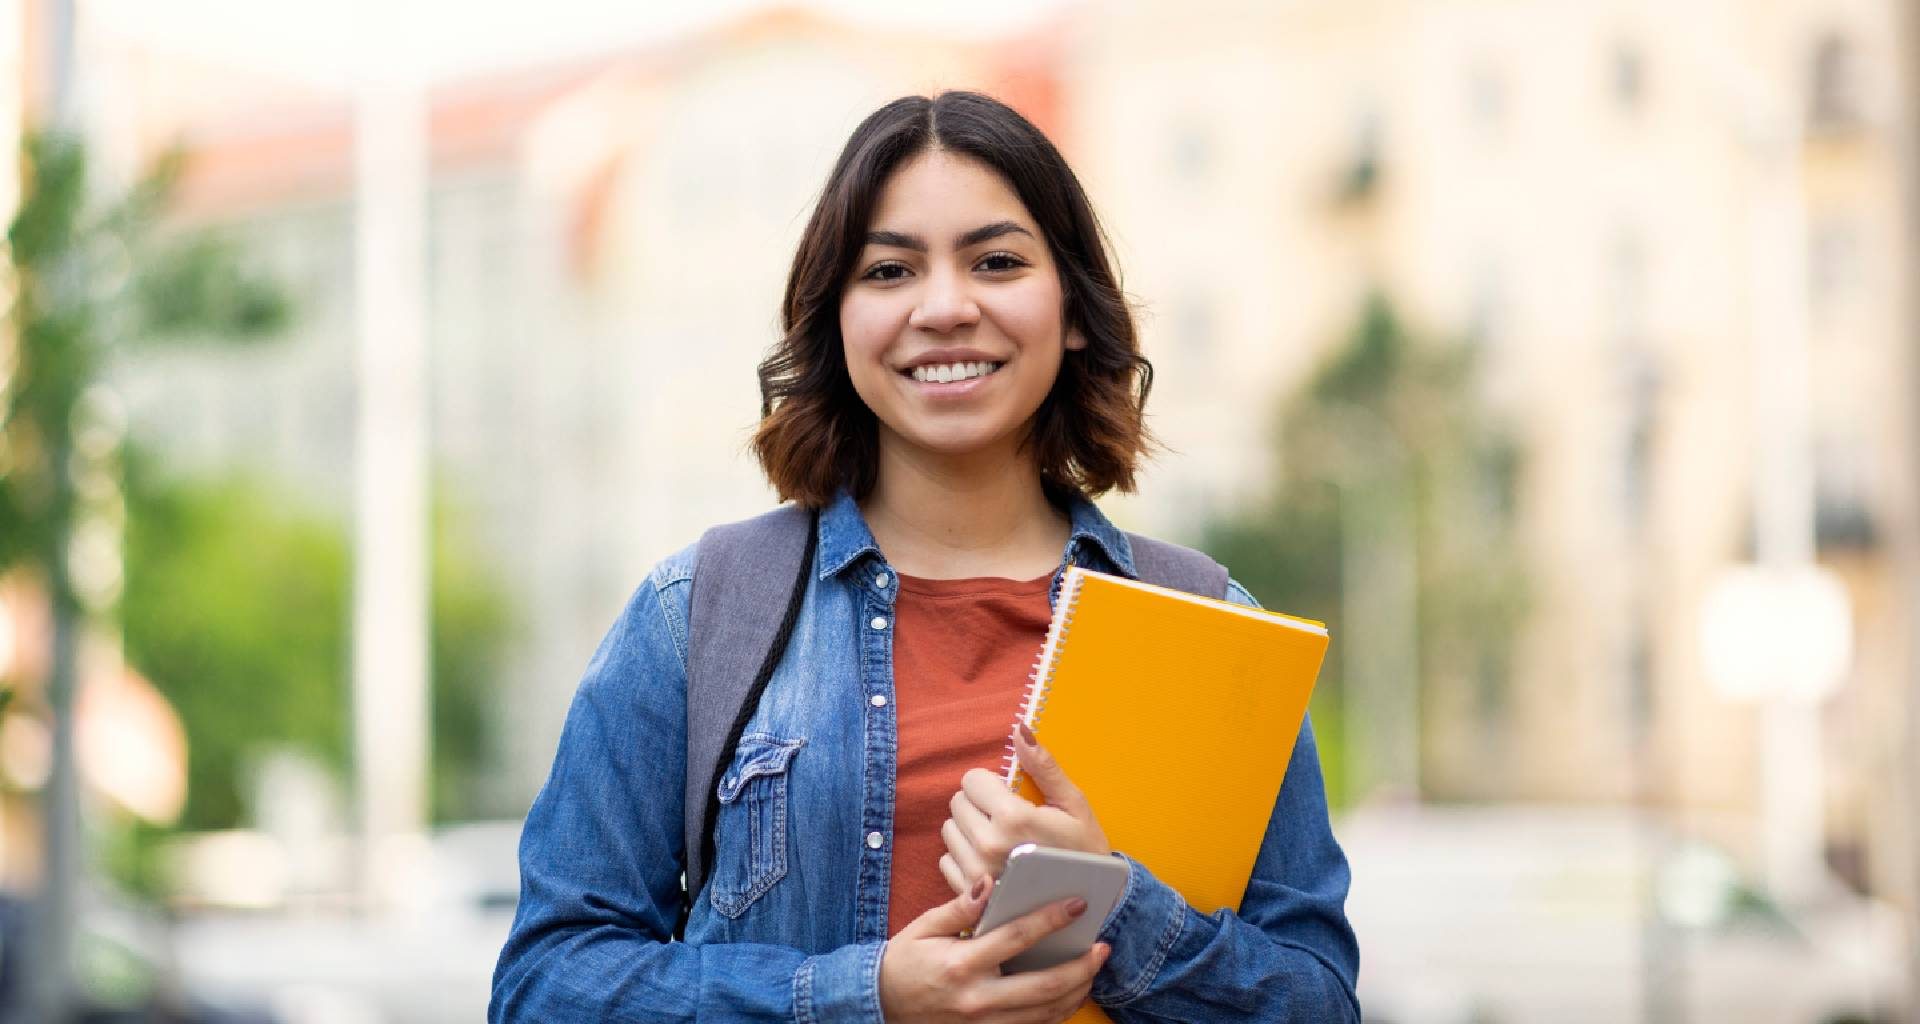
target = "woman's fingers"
x: 1047, y: 774
x: 1059, y: 989
x: 957, y: 880
x: 1018, y: 935
x: 968, y: 856
x: 990, y: 794
x: 974, y: 824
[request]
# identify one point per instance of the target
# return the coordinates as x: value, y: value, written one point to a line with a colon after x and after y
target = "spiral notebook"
x: 1176, y: 715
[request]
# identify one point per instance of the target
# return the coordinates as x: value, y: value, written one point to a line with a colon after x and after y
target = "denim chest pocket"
x: 750, y: 834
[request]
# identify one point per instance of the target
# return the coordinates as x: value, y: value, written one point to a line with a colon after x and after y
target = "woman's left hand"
x: 988, y: 819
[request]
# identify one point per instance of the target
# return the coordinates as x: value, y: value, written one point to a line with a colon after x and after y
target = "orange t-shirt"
x: 962, y: 652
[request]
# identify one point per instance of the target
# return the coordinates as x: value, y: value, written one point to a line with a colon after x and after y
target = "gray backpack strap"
x: 747, y: 582
x: 1177, y: 568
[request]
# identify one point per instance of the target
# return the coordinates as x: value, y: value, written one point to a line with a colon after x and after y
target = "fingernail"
x: 1076, y: 906
x: 979, y: 890
x: 1027, y: 734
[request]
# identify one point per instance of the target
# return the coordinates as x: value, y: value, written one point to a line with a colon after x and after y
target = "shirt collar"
x: 844, y: 537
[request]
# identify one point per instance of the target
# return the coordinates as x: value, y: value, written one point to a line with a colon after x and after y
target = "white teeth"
x: 948, y: 373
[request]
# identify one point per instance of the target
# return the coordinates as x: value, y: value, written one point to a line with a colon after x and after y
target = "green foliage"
x: 237, y: 606
x: 198, y: 287
x: 93, y: 275
x: 1281, y: 552
x: 53, y: 355
x: 1389, y: 428
x: 473, y: 624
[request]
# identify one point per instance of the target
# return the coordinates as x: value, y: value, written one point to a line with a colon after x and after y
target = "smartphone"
x: 1038, y: 875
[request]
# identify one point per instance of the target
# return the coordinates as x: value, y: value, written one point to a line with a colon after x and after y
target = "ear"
x: 1075, y: 341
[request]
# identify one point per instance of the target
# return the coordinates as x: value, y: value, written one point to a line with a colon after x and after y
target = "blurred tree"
x: 89, y: 274
x: 237, y: 608
x: 1389, y: 430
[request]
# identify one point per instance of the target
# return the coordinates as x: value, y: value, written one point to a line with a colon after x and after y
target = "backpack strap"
x: 738, y: 623
x: 1177, y: 568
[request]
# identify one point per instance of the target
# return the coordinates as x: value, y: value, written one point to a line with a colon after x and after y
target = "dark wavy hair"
x: 817, y: 436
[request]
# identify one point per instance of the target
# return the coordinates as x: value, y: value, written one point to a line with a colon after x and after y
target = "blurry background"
x: 1561, y: 354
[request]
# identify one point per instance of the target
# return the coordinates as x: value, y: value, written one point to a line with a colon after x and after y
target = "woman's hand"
x: 930, y: 974
x: 988, y: 820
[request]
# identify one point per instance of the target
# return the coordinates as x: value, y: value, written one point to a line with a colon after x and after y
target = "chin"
x: 957, y: 443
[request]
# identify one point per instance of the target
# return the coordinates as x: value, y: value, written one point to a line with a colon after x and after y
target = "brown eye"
x: 1000, y: 262
x: 885, y: 272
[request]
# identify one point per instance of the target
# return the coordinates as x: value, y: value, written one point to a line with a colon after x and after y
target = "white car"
x: 1504, y: 914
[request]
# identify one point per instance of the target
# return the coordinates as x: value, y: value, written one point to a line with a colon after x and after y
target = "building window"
x: 1638, y: 434
x: 1487, y: 97
x: 1629, y: 76
x: 1626, y: 301
x: 1836, y: 87
x: 1636, y: 674
x: 1361, y: 174
x: 1833, y: 257
x: 1192, y: 153
x: 1843, y: 490
x: 1626, y: 290
x: 1486, y: 308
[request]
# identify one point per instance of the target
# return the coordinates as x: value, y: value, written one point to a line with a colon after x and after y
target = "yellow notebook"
x: 1176, y: 715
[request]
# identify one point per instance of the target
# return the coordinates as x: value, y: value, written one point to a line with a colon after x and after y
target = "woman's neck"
x: 953, y: 519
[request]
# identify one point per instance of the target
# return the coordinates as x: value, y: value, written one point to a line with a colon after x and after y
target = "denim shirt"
x: 793, y: 921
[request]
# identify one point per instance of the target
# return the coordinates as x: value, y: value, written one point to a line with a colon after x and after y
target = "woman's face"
x: 952, y: 322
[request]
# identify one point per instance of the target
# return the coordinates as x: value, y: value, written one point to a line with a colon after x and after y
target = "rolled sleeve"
x: 1142, y: 930
x: 843, y: 985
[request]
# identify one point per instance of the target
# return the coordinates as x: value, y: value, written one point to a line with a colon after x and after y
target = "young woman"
x: 959, y: 376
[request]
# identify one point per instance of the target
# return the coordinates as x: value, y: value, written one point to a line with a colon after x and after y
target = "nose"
x: 944, y: 304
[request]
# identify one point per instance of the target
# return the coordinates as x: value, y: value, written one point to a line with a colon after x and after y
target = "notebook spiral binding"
x: 1042, y: 675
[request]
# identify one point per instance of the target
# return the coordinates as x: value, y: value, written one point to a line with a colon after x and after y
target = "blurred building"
x: 608, y: 240
x: 1571, y: 187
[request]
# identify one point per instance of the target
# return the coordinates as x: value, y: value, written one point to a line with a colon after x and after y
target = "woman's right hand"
x: 930, y: 974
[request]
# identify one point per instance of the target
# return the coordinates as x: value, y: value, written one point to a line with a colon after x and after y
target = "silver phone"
x: 1038, y: 875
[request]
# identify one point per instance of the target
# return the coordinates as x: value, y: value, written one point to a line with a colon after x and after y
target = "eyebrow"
x: 983, y: 233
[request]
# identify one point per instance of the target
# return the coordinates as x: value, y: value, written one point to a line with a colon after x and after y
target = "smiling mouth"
x: 951, y: 373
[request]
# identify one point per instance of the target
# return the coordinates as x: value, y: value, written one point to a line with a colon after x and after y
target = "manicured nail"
x: 1076, y: 906
x: 979, y: 890
x: 1027, y: 734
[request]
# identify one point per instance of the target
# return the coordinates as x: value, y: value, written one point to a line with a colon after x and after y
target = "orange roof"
x: 304, y: 150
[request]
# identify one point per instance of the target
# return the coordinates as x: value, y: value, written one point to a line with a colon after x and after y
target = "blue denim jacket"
x: 793, y: 922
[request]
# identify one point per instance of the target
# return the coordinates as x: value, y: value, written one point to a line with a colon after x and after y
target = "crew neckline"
x: 973, y: 586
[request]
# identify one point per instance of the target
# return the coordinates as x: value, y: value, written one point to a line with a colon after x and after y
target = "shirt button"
x: 879, y: 622
x: 878, y: 700
x: 882, y: 580
x: 875, y: 840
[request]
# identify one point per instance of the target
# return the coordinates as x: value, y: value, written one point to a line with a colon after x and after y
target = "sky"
x: 337, y: 44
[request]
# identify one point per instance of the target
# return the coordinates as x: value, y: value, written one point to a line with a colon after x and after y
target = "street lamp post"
x: 390, y: 572
x: 50, y: 976
x: 1778, y: 633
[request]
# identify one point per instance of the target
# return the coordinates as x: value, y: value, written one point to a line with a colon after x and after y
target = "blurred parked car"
x: 1499, y: 915
x: 125, y: 965
x: 429, y: 961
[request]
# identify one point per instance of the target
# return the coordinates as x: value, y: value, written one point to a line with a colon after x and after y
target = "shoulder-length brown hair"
x: 817, y: 436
